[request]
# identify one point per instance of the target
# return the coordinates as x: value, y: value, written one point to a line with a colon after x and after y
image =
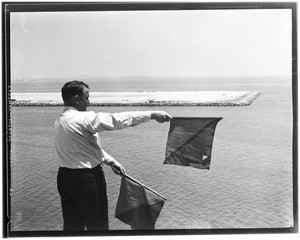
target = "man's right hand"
x: 161, y: 116
x: 117, y: 167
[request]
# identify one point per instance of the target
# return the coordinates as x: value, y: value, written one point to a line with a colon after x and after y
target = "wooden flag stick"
x: 136, y: 181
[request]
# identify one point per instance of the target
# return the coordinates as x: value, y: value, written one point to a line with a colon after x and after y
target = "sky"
x: 191, y: 43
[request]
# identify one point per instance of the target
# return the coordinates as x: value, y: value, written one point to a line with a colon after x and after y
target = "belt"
x: 97, y: 168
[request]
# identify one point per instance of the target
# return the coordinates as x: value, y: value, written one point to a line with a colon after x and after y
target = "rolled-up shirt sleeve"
x: 107, y: 159
x: 98, y: 122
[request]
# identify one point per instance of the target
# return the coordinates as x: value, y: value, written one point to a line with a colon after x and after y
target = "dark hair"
x: 70, y: 89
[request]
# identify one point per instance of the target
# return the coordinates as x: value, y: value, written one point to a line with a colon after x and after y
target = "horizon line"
x: 134, y: 77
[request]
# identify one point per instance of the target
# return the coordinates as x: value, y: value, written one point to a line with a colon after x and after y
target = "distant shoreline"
x: 189, y: 98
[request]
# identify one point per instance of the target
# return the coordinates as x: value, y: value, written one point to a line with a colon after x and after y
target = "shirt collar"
x: 66, y: 108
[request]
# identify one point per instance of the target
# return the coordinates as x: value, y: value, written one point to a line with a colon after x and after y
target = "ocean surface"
x: 249, y: 184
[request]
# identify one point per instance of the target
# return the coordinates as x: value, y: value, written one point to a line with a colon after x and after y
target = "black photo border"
x: 9, y: 7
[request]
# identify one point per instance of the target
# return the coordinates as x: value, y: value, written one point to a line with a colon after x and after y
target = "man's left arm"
x: 117, y: 121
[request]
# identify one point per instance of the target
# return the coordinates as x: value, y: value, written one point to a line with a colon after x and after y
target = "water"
x: 249, y: 184
x: 153, y: 84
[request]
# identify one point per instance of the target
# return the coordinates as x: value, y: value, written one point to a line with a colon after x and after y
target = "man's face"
x: 83, y: 100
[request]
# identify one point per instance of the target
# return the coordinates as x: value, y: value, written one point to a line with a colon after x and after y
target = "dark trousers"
x: 83, y: 198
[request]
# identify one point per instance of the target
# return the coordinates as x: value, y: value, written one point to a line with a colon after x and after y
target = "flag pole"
x: 136, y: 181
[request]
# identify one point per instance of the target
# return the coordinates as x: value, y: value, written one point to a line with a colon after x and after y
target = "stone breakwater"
x: 188, y: 98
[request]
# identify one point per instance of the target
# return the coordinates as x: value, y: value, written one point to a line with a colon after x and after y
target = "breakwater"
x: 145, y: 99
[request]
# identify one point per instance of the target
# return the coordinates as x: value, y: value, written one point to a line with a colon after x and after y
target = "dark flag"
x: 190, y: 142
x: 138, y: 205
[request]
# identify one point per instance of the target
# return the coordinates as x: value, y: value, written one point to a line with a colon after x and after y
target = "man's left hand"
x: 160, y: 116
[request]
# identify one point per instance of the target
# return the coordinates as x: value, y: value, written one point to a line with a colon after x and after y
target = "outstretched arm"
x: 161, y: 116
x: 108, y: 121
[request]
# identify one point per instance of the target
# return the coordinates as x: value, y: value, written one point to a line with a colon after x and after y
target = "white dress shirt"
x: 77, y: 141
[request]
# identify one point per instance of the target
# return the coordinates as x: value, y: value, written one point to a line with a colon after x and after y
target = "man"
x: 80, y: 180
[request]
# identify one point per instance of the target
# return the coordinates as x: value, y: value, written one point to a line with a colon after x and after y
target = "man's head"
x: 76, y: 94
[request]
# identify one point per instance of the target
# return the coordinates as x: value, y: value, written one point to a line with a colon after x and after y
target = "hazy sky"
x: 151, y: 43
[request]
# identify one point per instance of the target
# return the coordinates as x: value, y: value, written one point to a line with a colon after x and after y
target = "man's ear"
x: 76, y: 99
